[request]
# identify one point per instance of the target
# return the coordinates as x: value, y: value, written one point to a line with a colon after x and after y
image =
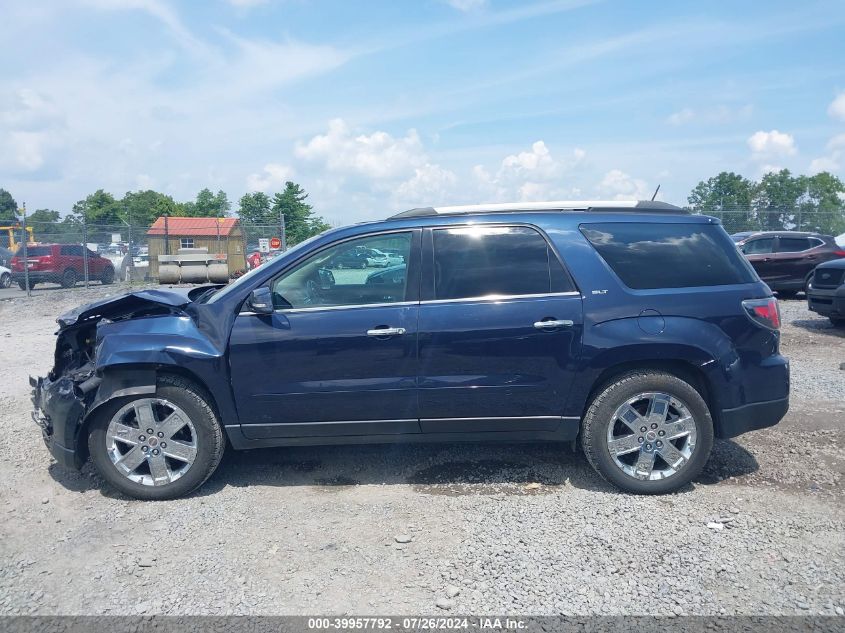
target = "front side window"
x: 347, y: 274
x: 480, y: 261
x: 759, y: 247
x: 71, y: 250
x: 663, y: 255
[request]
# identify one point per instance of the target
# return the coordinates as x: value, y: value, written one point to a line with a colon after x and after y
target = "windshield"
x: 217, y: 296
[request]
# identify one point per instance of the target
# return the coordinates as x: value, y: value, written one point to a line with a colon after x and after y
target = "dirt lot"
x: 526, y: 529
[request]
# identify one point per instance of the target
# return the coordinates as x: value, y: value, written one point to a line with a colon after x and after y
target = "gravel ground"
x: 525, y: 529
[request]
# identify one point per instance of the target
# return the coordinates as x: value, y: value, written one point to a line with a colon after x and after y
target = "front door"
x: 339, y: 354
x: 759, y: 252
x: 500, y: 331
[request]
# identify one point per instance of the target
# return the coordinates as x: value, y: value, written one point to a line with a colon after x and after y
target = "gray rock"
x: 403, y: 538
x: 452, y: 591
x: 444, y: 603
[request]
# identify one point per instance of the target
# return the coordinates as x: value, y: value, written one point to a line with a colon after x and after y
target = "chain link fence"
x: 75, y: 254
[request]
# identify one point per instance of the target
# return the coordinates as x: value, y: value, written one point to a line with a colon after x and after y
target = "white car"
x: 5, y: 277
x: 380, y: 259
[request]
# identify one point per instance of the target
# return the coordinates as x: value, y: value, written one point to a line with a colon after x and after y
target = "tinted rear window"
x: 660, y: 255
x: 36, y: 251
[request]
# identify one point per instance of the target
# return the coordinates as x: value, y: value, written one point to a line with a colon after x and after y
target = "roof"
x: 643, y: 206
x: 194, y: 227
x: 747, y: 234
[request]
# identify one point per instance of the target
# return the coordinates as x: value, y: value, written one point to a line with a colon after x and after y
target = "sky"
x: 377, y: 106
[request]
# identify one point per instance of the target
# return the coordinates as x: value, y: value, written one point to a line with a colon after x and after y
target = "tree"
x: 727, y: 196
x: 142, y: 208
x: 822, y: 209
x: 300, y: 220
x: 100, y: 208
x: 209, y: 204
x: 8, y: 208
x: 254, y: 208
x: 776, y: 199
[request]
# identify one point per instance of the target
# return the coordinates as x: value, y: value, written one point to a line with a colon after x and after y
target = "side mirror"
x: 261, y: 301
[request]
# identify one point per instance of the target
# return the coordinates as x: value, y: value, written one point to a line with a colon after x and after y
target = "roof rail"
x: 641, y: 206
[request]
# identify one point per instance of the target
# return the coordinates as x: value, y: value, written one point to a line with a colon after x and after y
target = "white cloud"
x: 144, y: 181
x: 378, y: 156
x: 837, y: 142
x: 719, y: 114
x: 467, y: 5
x: 273, y: 176
x: 26, y: 149
x: 618, y: 185
x: 826, y: 163
x: 430, y: 184
x: 684, y: 115
x: 772, y: 143
x: 836, y: 109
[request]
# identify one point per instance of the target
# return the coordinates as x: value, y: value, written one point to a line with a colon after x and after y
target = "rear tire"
x: 22, y: 285
x: 670, y: 459
x: 837, y: 322
x: 69, y: 278
x: 202, y: 432
x: 787, y: 294
x: 108, y: 276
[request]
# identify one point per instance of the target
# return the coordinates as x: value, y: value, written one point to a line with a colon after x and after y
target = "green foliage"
x: 8, y: 208
x: 208, y: 204
x: 300, y: 220
x: 727, y: 196
x: 779, y: 201
x: 144, y: 207
x: 254, y: 208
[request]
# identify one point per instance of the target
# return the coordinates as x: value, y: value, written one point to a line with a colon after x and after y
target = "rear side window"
x: 479, y: 261
x: 36, y: 251
x: 795, y: 244
x: 660, y: 255
x: 75, y: 251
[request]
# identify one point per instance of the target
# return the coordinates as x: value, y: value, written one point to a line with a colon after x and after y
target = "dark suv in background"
x: 785, y: 259
x: 558, y: 322
x: 826, y: 291
x: 62, y: 264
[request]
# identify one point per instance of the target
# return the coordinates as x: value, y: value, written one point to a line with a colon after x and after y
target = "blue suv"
x: 634, y: 329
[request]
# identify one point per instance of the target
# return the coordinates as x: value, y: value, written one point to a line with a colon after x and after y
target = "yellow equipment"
x: 11, y: 232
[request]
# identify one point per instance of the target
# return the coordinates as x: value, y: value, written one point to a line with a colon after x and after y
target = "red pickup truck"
x: 62, y: 264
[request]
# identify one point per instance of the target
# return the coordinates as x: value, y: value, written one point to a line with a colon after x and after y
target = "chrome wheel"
x: 651, y: 436
x: 151, y: 441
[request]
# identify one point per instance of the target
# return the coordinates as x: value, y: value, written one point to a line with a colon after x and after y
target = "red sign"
x: 275, y: 242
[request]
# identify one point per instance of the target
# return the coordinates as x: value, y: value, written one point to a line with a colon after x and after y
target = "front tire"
x: 5, y: 280
x: 183, y: 450
x: 69, y: 278
x: 648, y: 432
x: 108, y: 276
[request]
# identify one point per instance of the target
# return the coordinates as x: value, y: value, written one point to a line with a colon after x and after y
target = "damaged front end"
x: 75, y: 386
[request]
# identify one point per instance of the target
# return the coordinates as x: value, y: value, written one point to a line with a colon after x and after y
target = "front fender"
x: 130, y: 353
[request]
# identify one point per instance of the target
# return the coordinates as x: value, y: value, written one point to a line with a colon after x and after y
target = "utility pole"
x: 282, y: 228
x: 24, y: 241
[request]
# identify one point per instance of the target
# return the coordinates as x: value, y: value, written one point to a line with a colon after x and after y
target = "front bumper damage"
x: 58, y: 408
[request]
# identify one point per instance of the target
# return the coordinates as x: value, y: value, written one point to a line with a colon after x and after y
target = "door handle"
x: 386, y: 331
x: 553, y: 323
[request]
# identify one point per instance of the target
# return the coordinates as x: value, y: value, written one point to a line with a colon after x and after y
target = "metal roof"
x: 642, y: 206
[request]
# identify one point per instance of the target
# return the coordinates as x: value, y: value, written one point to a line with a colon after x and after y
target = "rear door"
x: 500, y: 331
x: 795, y: 258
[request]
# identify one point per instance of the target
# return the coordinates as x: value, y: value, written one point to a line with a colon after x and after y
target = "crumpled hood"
x: 127, y: 303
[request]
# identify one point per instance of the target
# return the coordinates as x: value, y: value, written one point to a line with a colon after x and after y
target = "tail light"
x: 16, y: 263
x: 839, y: 253
x: 763, y: 311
